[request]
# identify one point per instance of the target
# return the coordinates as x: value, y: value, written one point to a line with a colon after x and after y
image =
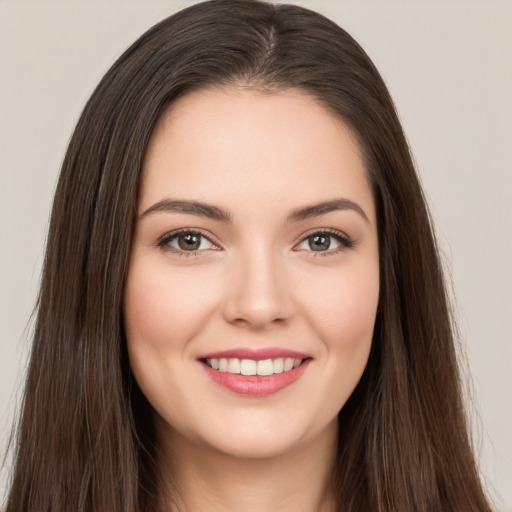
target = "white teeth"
x: 252, y: 367
x: 233, y: 365
x: 247, y: 367
x: 265, y: 367
x: 278, y: 365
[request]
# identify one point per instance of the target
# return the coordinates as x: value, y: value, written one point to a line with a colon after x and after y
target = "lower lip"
x: 256, y: 385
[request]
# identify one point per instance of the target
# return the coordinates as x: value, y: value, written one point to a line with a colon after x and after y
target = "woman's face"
x: 255, y: 250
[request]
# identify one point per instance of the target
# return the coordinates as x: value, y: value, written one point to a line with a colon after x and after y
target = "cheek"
x: 345, y: 322
x: 340, y: 306
x: 163, y: 309
x: 344, y: 307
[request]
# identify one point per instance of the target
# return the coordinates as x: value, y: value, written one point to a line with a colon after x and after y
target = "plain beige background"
x: 448, y: 64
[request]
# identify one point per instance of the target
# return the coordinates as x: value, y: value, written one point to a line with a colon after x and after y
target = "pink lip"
x: 256, y: 385
x: 257, y: 354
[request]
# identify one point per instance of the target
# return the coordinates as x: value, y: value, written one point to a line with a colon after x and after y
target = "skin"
x: 256, y: 283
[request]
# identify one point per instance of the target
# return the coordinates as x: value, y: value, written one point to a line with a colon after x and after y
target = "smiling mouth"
x: 255, y: 377
x: 256, y: 372
x: 249, y: 367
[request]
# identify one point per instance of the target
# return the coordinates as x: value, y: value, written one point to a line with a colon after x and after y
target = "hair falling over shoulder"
x: 84, y: 440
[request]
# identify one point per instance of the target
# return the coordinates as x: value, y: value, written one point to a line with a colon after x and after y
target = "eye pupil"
x: 189, y: 242
x: 319, y: 242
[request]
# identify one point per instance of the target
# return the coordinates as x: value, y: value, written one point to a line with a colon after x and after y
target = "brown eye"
x: 325, y: 243
x: 189, y: 242
x: 186, y: 241
x: 319, y: 242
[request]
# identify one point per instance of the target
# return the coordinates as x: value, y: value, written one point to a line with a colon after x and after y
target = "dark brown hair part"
x: 85, y: 440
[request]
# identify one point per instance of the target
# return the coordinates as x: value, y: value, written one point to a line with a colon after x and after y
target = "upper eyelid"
x: 330, y: 231
x: 172, y: 234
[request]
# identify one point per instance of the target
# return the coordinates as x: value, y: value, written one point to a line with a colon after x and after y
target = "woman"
x: 242, y: 304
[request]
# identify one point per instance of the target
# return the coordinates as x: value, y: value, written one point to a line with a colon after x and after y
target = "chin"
x: 264, y: 439
x: 254, y: 447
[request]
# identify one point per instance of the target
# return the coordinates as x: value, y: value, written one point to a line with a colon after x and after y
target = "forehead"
x: 236, y: 145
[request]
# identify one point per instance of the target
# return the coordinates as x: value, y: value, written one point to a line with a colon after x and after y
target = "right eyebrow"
x: 216, y: 213
x: 191, y: 207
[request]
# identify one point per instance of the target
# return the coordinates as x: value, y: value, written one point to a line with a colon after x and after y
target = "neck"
x: 202, y: 478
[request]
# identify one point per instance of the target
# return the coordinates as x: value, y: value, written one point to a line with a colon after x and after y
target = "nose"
x: 256, y: 293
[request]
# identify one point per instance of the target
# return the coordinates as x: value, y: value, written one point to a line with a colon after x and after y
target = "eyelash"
x: 164, y: 241
x: 345, y: 242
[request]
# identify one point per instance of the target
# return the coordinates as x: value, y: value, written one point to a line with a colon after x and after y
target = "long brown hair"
x: 85, y: 440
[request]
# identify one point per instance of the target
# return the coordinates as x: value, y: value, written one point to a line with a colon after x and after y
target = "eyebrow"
x: 191, y: 207
x: 219, y: 214
x: 325, y: 207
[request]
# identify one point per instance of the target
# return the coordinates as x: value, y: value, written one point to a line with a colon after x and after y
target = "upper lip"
x: 257, y: 354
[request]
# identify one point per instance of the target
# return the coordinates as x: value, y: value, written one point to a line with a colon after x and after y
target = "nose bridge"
x: 256, y: 291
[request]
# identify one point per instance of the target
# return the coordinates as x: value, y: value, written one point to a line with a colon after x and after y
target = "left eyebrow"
x: 188, y: 207
x: 217, y: 213
x: 325, y: 207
